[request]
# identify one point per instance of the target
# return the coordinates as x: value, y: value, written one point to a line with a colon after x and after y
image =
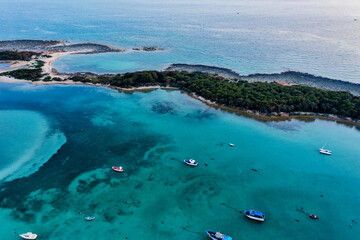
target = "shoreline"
x: 286, y: 78
x: 265, y: 118
x: 48, y: 68
x: 246, y: 113
x: 50, y: 56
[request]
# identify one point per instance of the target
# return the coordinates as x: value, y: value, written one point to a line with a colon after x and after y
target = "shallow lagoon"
x: 273, y: 167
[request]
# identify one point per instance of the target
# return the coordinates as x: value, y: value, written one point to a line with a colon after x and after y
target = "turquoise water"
x: 58, y: 143
x: 317, y: 37
x: 274, y: 167
x: 26, y: 142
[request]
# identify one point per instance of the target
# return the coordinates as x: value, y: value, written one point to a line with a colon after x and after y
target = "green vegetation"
x: 48, y: 79
x: 39, y: 64
x: 27, y: 74
x: 13, y: 55
x: 33, y: 74
x: 263, y: 97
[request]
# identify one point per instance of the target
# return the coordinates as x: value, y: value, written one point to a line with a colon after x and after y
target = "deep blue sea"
x: 314, y: 36
x: 58, y: 143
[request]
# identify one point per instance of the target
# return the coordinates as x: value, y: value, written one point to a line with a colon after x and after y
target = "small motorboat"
x: 217, y: 235
x: 118, y: 169
x: 255, y: 215
x: 191, y: 162
x: 89, y: 218
x: 28, y: 235
x: 313, y: 216
x: 231, y: 145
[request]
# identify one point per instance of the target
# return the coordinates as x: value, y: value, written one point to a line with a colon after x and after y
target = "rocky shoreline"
x: 65, y: 46
x: 281, y: 116
x: 148, y: 49
x: 28, y: 45
x: 290, y: 77
x: 225, y: 72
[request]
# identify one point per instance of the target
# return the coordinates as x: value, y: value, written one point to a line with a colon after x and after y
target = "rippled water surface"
x: 273, y: 167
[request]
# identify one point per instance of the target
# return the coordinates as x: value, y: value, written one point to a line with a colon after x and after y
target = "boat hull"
x: 255, y: 218
x: 252, y: 217
x: 325, y: 153
x: 212, y: 235
x: 117, y: 169
x: 28, y: 236
x: 187, y: 162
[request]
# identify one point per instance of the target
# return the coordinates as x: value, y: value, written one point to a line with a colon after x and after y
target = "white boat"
x: 231, y: 145
x: 89, y: 218
x: 28, y: 235
x: 325, y: 151
x: 255, y: 215
x: 191, y: 162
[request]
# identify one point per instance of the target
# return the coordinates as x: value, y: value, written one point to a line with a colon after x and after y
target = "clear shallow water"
x: 26, y: 142
x: 318, y: 37
x: 273, y: 167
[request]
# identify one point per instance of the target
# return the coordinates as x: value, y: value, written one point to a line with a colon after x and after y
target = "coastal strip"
x: 55, y: 46
x: 285, y: 78
x: 215, y: 86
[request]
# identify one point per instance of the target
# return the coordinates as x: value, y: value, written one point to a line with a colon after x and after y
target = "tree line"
x: 264, y: 97
x: 33, y: 74
x: 259, y: 96
x: 14, y: 55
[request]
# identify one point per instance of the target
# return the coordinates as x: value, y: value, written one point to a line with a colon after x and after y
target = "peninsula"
x: 263, y: 96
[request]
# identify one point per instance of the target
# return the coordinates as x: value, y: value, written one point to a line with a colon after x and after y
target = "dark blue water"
x: 318, y: 37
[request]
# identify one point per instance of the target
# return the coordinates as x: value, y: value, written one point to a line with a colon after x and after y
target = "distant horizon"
x: 316, y: 37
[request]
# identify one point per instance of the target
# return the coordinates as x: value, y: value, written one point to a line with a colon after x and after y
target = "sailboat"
x: 325, y: 151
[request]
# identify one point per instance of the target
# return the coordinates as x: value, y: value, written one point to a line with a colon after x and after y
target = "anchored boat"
x: 255, y: 215
x: 118, y: 169
x: 231, y: 145
x: 217, y: 235
x: 313, y: 216
x: 325, y: 151
x: 89, y: 218
x: 28, y: 235
x: 191, y: 162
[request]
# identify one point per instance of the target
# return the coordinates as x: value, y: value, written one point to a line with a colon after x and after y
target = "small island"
x: 259, y: 96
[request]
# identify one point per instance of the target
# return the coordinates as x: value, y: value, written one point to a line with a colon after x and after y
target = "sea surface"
x: 274, y: 167
x: 4, y: 66
x: 320, y: 37
x: 58, y: 143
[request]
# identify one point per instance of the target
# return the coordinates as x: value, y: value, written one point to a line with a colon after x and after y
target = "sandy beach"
x: 16, y: 64
x: 13, y: 80
x: 47, y: 68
